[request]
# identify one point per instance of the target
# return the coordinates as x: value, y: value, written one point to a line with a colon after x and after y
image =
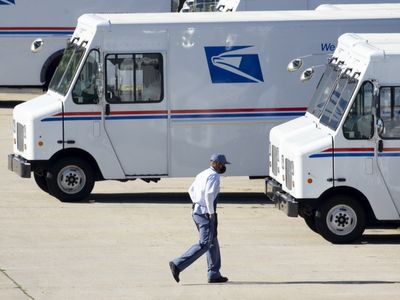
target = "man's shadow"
x: 309, y: 282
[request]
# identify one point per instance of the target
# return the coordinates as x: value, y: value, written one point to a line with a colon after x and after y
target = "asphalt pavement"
x: 117, y: 244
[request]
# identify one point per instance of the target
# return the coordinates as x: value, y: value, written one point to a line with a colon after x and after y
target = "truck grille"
x: 275, y: 157
x: 20, y: 137
x: 289, y: 171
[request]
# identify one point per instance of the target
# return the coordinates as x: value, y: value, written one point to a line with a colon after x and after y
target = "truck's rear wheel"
x: 50, y: 67
x: 340, y: 219
x: 70, y: 179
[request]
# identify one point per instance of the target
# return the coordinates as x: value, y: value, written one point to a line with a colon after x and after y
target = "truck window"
x: 389, y: 111
x: 323, y: 90
x: 84, y: 91
x: 134, y: 78
x: 338, y: 101
x: 67, y: 68
x: 359, y: 121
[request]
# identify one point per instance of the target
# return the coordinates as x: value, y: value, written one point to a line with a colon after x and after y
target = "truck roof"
x: 372, y: 46
x: 376, y: 55
x: 260, y: 16
x: 359, y: 7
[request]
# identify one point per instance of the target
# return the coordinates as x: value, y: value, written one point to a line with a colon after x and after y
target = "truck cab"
x: 69, y: 138
x: 340, y: 173
x: 315, y: 108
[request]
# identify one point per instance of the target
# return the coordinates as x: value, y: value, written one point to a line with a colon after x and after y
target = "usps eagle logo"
x: 233, y: 65
x: 7, y: 2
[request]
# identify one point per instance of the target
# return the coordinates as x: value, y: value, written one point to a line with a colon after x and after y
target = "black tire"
x: 49, y: 76
x: 70, y: 179
x: 340, y: 219
x: 310, y: 221
x: 41, y: 181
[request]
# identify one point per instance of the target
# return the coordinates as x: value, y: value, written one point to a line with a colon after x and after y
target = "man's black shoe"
x: 218, y: 279
x: 175, y: 271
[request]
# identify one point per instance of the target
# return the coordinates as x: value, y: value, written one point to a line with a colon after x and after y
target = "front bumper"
x: 19, y: 166
x: 281, y: 199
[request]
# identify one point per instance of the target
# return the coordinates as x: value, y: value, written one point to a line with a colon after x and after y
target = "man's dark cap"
x: 219, y: 158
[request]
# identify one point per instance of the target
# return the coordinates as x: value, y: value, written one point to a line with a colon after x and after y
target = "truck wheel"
x: 70, y: 179
x: 310, y: 221
x: 41, y: 182
x: 340, y: 219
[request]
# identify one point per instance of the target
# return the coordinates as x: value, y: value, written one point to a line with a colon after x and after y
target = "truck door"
x: 135, y: 112
x: 389, y: 140
x: 354, y: 156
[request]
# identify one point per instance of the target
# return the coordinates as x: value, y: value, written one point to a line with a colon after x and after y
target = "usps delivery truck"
x: 338, y: 166
x: 52, y: 21
x: 152, y: 96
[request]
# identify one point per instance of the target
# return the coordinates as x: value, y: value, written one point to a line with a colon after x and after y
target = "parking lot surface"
x: 117, y: 244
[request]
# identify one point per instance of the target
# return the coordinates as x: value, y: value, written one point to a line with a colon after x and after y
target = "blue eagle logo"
x: 233, y: 65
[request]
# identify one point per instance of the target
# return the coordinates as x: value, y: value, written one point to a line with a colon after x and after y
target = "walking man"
x: 203, y: 192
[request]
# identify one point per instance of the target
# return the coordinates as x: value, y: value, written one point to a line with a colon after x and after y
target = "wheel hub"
x: 71, y: 179
x: 341, y: 219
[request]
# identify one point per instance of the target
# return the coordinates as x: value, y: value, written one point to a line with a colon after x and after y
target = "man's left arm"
x: 211, y: 192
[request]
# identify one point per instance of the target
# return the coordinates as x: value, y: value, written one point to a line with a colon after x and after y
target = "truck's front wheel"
x: 340, y: 219
x: 70, y: 179
x: 41, y: 181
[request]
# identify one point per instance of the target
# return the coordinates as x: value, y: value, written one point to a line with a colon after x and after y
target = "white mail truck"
x: 338, y: 166
x: 154, y: 95
x: 52, y: 21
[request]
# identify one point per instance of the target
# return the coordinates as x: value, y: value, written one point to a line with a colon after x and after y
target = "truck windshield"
x: 323, y: 90
x: 67, y: 68
x: 338, y: 101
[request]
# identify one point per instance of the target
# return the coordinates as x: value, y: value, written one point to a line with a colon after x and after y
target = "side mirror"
x: 380, y: 126
x: 37, y: 45
x: 295, y: 64
x: 307, y: 75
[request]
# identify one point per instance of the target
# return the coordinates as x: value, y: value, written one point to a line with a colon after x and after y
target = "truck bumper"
x: 281, y: 199
x: 19, y: 165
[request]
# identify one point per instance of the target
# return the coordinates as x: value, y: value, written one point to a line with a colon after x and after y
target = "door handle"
x: 380, y: 145
x: 336, y: 179
x: 107, y: 109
